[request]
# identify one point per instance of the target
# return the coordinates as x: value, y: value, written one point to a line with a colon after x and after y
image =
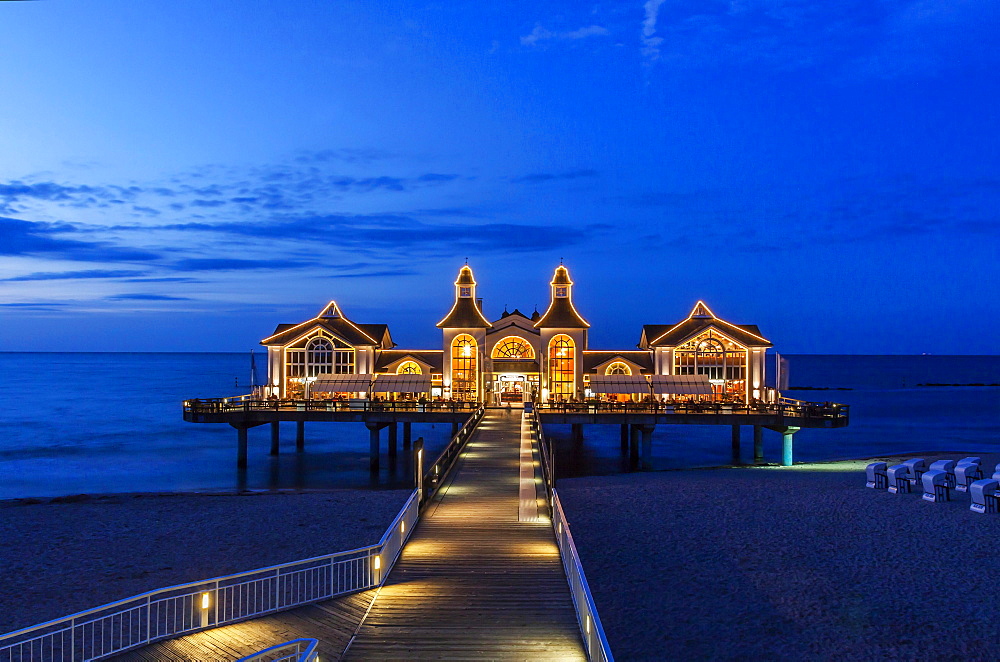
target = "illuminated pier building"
x: 518, y: 358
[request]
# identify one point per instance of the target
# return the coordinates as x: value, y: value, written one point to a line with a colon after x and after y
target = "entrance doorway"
x: 512, y: 389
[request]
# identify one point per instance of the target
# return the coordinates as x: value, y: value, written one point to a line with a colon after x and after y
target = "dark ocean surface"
x: 97, y: 423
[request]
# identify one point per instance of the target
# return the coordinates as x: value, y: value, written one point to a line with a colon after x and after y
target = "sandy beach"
x: 64, y: 555
x: 785, y: 564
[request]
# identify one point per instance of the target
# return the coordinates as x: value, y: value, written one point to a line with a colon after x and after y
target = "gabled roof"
x: 517, y: 319
x: 332, y: 319
x: 433, y: 358
x: 593, y: 359
x: 701, y: 318
x: 561, y: 315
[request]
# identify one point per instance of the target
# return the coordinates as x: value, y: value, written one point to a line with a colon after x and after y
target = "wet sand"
x: 785, y: 564
x: 68, y: 554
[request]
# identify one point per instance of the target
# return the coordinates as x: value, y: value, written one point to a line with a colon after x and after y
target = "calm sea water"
x: 90, y: 423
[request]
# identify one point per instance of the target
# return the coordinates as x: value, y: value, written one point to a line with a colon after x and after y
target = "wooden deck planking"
x: 473, y: 582
x: 332, y: 622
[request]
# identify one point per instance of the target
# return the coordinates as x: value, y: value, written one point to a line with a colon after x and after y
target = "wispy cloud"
x: 650, y: 42
x: 29, y: 238
x: 540, y: 177
x: 541, y: 34
x: 139, y: 296
x: 75, y: 275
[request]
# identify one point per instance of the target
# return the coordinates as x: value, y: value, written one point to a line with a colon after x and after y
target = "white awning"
x: 402, y: 383
x: 342, y: 384
x: 681, y: 385
x: 627, y: 384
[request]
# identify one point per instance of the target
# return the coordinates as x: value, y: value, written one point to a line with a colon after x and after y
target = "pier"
x: 480, y: 577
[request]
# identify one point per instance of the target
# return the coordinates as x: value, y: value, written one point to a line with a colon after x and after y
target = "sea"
x: 79, y: 423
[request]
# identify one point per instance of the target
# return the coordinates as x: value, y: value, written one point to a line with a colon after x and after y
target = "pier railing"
x: 296, y: 650
x: 591, y: 630
x: 439, y: 469
x: 166, y: 613
x: 248, y: 404
x: 784, y: 407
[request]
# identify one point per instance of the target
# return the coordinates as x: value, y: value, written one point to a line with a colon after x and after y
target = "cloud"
x: 30, y: 238
x: 539, y: 177
x: 145, y: 297
x: 650, y: 42
x: 235, y: 264
x: 75, y: 275
x: 541, y: 34
x: 40, y: 306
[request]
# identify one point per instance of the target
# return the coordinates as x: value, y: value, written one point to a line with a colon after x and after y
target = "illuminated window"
x: 716, y: 357
x: 513, y: 348
x: 465, y: 291
x: 464, y: 368
x: 319, y: 355
x: 618, y: 368
x: 408, y: 368
x: 560, y: 291
x: 562, y: 381
x: 295, y: 363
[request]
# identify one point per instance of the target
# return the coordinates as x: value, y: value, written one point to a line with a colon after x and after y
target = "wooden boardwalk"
x: 472, y: 583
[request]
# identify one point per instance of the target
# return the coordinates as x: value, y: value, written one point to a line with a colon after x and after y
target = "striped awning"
x: 342, y: 384
x: 626, y: 384
x: 681, y: 385
x: 387, y: 383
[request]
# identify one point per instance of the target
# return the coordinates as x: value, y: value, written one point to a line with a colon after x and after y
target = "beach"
x: 785, y: 564
x: 60, y: 556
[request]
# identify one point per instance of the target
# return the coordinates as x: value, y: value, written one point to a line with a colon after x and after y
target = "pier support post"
x: 393, y: 436
x: 736, y: 444
x: 577, y: 431
x: 758, y: 444
x: 373, y: 429
x: 241, y: 448
x: 786, y: 446
x: 418, y: 468
x: 647, y: 445
x: 634, y: 444
x: 624, y: 438
x: 275, y: 436
x: 454, y: 429
x: 407, y: 434
x: 300, y: 436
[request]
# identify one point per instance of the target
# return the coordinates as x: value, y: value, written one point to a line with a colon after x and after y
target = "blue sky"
x: 181, y: 176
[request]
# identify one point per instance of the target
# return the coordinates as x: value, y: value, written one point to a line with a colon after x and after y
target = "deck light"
x: 205, y: 597
x: 402, y: 527
x: 378, y: 561
x: 588, y: 624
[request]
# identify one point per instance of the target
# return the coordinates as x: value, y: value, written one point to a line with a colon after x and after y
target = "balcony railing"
x: 248, y: 404
x: 785, y: 407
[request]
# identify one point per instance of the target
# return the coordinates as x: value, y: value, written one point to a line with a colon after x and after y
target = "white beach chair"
x: 898, y: 478
x: 936, y: 486
x: 948, y: 467
x: 967, y: 470
x: 876, y: 475
x: 984, y: 496
x: 915, y: 469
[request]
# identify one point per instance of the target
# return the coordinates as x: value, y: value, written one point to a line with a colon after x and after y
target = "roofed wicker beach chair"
x: 936, y: 486
x: 915, y: 469
x: 984, y: 496
x: 876, y: 474
x: 948, y: 467
x: 996, y: 472
x: 898, y: 476
x: 967, y: 470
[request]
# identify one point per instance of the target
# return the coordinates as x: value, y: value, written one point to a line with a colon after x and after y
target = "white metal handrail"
x: 296, y: 650
x: 594, y: 639
x: 142, y: 619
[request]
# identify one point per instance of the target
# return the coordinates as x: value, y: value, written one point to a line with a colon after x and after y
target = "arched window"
x: 408, y: 368
x: 319, y: 356
x: 513, y: 347
x: 716, y: 357
x: 562, y: 374
x: 464, y: 368
x: 618, y: 368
